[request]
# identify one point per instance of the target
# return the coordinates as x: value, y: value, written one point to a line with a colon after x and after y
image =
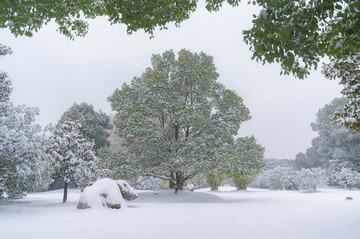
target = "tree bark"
x: 171, y: 182
x: 179, y: 181
x: 66, y: 185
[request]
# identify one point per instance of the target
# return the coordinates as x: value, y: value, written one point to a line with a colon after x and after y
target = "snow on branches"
x: 71, y: 154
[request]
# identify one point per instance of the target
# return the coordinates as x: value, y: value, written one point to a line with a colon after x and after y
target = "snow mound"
x: 103, y: 193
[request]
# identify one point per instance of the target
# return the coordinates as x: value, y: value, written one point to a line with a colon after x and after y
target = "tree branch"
x: 132, y: 185
x: 189, y: 176
x: 160, y: 177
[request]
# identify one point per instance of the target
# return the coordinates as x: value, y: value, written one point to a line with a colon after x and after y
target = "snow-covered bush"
x: 347, y: 178
x: 103, y: 193
x: 335, y: 166
x: 198, y: 181
x: 259, y: 182
x: 151, y: 184
x: 213, y: 181
x: 311, y: 179
x: 190, y: 187
x: 242, y: 180
x: 280, y: 178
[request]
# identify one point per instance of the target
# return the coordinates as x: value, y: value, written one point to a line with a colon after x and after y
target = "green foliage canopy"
x: 176, y: 118
x: 298, y: 33
x: 348, y: 71
x: 93, y: 123
x: 29, y: 16
x: 335, y: 143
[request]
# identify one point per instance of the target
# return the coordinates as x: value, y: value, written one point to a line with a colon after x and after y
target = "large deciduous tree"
x: 93, y: 123
x: 176, y: 120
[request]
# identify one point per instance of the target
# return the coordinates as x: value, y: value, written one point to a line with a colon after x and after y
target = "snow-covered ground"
x: 162, y: 214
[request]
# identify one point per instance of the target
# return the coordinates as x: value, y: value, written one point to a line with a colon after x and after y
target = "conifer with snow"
x: 24, y: 165
x: 72, y: 155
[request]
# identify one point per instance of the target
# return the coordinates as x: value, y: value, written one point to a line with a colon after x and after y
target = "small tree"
x: 72, y: 156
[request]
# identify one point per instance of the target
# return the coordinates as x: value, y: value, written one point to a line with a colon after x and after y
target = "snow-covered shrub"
x: 289, y: 180
x: 242, y: 180
x: 259, y: 182
x: 103, y: 193
x: 190, y: 187
x: 334, y: 168
x: 311, y: 179
x: 213, y: 181
x: 198, y: 181
x: 347, y: 178
x: 274, y: 178
x: 280, y: 178
x: 151, y: 184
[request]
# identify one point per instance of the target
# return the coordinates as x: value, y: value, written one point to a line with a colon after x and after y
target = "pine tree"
x: 72, y: 155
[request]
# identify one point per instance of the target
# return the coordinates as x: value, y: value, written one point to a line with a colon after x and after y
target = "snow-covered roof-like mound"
x: 104, y: 192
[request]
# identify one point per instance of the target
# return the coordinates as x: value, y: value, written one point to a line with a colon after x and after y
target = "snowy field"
x: 226, y: 214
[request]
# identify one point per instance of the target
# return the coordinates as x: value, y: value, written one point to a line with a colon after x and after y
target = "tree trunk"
x: 179, y: 182
x: 66, y: 185
x: 171, y: 183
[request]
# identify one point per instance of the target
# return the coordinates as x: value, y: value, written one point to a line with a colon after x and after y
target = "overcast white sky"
x: 51, y: 72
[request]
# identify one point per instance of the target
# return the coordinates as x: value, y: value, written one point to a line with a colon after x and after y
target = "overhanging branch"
x: 160, y: 177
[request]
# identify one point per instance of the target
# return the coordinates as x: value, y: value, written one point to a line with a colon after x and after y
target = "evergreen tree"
x: 93, y: 123
x: 24, y: 165
x: 335, y: 143
x: 72, y: 155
